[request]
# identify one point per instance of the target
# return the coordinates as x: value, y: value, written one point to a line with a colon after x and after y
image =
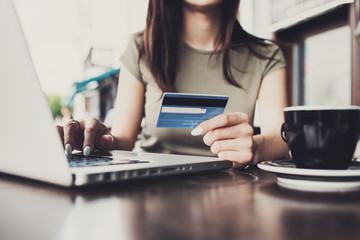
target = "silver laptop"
x: 30, y: 144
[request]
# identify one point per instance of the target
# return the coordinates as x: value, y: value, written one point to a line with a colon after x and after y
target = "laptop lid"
x: 29, y: 143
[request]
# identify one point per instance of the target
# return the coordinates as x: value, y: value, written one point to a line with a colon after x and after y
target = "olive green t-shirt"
x: 199, y: 73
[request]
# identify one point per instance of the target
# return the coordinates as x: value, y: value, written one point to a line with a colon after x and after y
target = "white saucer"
x: 314, y: 179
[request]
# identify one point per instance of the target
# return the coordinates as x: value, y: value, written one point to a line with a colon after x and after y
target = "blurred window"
x: 327, y: 68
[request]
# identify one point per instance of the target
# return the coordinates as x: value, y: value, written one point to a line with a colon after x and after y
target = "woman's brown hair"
x: 162, y: 35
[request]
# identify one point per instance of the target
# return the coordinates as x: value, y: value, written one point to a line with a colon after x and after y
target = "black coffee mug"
x: 321, y: 137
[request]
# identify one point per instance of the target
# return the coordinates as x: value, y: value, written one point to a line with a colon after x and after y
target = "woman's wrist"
x: 269, y: 147
x: 258, y: 141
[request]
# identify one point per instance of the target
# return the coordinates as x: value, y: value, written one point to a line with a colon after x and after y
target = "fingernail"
x: 196, y: 131
x: 68, y: 149
x: 86, y: 151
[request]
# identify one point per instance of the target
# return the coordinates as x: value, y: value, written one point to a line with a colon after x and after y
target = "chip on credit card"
x: 183, y: 110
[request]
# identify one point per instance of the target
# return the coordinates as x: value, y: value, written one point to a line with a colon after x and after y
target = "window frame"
x: 291, y: 40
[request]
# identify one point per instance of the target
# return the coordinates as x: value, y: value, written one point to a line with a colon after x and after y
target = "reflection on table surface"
x: 232, y: 204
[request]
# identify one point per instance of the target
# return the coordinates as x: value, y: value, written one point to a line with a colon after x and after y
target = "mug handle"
x: 283, y: 135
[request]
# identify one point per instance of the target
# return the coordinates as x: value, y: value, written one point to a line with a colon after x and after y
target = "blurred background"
x: 76, y: 45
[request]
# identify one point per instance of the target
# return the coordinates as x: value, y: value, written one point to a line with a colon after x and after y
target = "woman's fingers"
x: 240, y: 159
x: 92, y: 133
x: 238, y: 150
x: 71, y: 130
x: 241, y: 130
x: 243, y: 144
x: 220, y: 121
x: 230, y: 136
x: 86, y: 136
x: 106, y: 142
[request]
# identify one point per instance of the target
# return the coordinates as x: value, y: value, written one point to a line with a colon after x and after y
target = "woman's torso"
x: 198, y: 72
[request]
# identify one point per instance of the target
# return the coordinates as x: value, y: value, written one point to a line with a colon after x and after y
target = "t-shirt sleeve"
x: 275, y: 62
x: 130, y: 57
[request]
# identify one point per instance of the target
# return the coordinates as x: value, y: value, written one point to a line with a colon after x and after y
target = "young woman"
x: 194, y: 46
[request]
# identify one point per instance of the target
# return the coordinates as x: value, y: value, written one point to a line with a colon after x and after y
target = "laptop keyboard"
x: 94, y: 161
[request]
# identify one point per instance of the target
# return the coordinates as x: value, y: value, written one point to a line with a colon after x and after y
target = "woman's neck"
x: 201, y: 27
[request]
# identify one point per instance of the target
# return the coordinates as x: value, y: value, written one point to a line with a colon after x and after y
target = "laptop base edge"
x: 152, y: 172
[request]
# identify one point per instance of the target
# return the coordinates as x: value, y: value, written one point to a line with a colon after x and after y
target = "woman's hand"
x: 230, y: 136
x: 85, y: 136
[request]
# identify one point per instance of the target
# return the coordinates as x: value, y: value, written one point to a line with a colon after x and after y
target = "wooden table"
x: 227, y: 205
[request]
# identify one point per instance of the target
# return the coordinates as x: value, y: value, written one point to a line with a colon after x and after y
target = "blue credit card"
x: 182, y: 110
